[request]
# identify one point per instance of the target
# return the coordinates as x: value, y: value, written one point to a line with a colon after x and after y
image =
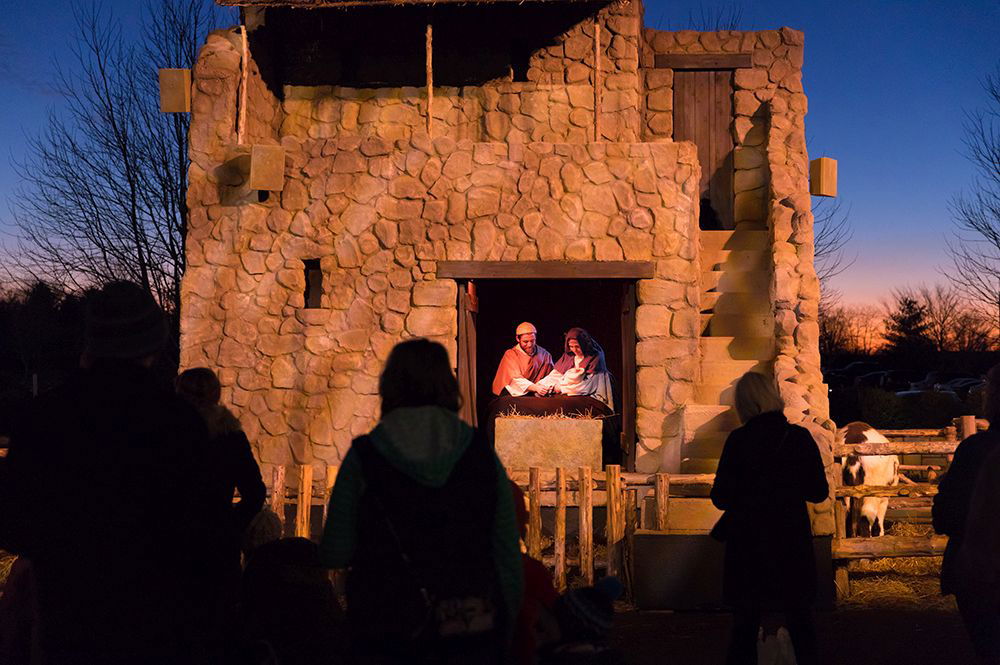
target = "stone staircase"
x: 737, y: 336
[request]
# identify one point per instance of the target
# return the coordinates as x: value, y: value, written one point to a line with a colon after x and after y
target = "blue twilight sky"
x: 888, y: 84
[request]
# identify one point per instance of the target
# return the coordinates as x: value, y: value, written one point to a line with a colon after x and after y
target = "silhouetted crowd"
x: 118, y: 493
x: 118, y: 498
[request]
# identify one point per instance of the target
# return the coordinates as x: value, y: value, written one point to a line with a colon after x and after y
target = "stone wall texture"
x: 509, y: 172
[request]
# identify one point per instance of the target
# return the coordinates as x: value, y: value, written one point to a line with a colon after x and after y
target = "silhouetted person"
x: 105, y: 495
x: 422, y: 517
x: 769, y: 469
x: 232, y: 467
x: 951, y: 517
x: 288, y: 608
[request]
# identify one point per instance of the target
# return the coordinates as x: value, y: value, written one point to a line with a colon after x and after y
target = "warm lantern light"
x: 823, y: 177
x: 267, y: 168
x: 175, y: 90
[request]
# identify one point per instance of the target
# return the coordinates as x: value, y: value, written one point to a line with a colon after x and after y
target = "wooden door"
x: 703, y: 114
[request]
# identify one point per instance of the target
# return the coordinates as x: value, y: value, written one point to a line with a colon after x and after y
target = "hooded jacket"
x: 425, y: 444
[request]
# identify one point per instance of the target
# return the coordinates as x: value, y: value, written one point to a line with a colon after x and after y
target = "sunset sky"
x: 888, y: 85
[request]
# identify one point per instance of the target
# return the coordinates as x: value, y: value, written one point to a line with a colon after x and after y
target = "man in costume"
x: 523, y: 365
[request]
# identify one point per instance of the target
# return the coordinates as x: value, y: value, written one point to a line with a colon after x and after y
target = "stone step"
x: 737, y: 281
x: 723, y: 394
x: 729, y: 371
x: 735, y: 303
x: 734, y: 240
x: 706, y: 445
x: 702, y: 418
x: 734, y: 325
x: 699, y: 465
x: 736, y: 348
x: 737, y: 259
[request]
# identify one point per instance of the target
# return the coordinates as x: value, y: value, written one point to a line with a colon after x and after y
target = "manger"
x: 548, y: 441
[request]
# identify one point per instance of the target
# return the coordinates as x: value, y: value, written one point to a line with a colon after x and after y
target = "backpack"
x: 423, y: 571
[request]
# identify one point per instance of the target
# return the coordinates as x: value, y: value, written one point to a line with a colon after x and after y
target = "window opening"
x: 314, y: 283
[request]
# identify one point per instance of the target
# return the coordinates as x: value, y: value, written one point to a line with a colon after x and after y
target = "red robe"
x: 516, y: 364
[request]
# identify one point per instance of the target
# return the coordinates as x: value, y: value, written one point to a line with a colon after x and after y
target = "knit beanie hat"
x: 123, y: 321
x: 592, y: 608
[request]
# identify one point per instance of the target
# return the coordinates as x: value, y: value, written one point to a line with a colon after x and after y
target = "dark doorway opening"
x: 604, y: 307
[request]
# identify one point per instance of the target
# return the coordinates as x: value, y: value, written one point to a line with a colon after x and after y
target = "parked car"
x: 870, y: 380
x: 936, y: 376
x: 960, y: 387
x: 900, y: 379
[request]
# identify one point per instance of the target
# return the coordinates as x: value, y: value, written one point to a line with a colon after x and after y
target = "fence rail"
x: 620, y: 496
x: 938, y: 442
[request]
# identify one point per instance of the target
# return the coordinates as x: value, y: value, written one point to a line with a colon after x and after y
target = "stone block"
x: 524, y: 442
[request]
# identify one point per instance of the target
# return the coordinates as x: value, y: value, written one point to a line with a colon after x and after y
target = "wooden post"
x: 631, y: 499
x: 841, y: 576
x: 950, y: 436
x: 534, y: 513
x: 304, y: 500
x: 586, y: 532
x: 560, y: 530
x: 278, y: 493
x: 615, y: 528
x: 331, y: 478
x: 598, y: 81
x: 241, y: 119
x: 968, y: 426
x: 430, y: 77
x: 662, y: 501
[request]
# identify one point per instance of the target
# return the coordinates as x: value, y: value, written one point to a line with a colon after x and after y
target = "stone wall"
x: 555, y: 103
x: 773, y: 84
x: 379, y: 215
x: 513, y: 112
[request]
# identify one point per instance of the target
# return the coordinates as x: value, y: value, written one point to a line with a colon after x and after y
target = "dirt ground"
x: 882, y: 636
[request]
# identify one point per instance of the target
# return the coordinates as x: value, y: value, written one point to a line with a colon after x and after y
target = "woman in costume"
x: 581, y: 371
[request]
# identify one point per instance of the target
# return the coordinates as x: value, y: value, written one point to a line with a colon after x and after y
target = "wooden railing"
x: 620, y: 493
x: 938, y: 442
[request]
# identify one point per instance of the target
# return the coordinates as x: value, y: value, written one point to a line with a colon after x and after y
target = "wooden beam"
x: 598, y: 81
x: 547, y: 479
x: 897, y: 448
x: 888, y: 546
x: 545, y: 269
x: 430, y: 77
x: 917, y: 489
x: 703, y: 60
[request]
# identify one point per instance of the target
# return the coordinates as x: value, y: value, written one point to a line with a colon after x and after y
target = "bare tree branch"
x: 103, y: 186
x: 974, y: 244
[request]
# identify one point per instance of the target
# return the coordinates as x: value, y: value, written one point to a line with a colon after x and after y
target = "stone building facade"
x: 569, y: 157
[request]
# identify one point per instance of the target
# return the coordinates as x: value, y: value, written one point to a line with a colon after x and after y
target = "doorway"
x: 604, y: 307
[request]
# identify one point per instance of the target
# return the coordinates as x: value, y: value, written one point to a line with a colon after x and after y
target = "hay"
x: 909, y: 529
x: 899, y: 582
x: 897, y: 592
x: 6, y: 563
x: 512, y: 412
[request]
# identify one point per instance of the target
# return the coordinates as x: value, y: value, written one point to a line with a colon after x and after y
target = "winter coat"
x: 951, y: 505
x: 769, y: 469
x: 232, y: 467
x: 106, y: 494
x: 426, y: 445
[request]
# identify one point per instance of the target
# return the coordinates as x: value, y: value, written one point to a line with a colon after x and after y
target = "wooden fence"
x: 923, y: 442
x: 622, y: 494
x: 625, y: 497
